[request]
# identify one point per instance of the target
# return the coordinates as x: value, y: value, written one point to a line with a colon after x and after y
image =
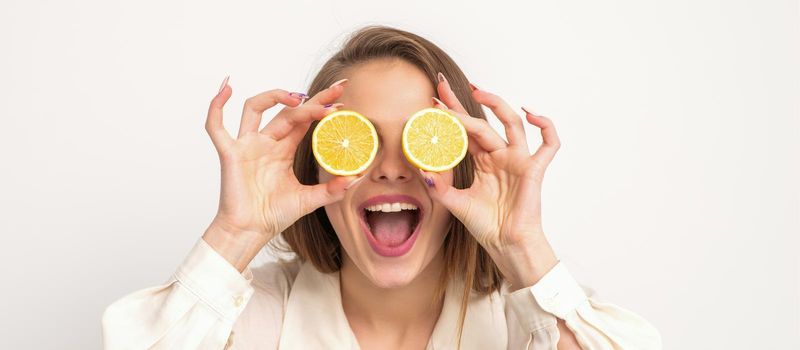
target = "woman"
x: 476, y: 271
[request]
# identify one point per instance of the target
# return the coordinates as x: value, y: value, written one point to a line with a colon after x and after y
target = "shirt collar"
x: 314, y: 318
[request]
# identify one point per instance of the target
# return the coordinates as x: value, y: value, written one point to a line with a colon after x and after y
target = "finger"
x: 255, y: 106
x: 550, y: 141
x: 297, y: 120
x: 448, y: 96
x: 330, y: 94
x: 292, y: 131
x: 454, y: 199
x: 512, y: 122
x: 473, y: 147
x: 216, y: 130
x: 315, y: 196
x: 479, y: 129
x: 314, y: 109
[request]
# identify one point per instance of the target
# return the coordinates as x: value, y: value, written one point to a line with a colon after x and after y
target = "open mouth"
x: 391, y: 223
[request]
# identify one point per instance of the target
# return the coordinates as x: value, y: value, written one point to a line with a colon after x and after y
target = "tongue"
x: 391, y: 229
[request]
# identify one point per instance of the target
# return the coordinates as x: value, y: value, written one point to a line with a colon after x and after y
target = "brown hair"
x: 312, y: 237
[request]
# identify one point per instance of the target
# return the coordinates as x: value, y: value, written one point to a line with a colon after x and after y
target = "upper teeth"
x: 391, y: 207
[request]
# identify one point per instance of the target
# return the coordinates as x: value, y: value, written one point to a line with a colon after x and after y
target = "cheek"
x: 323, y: 176
x: 335, y: 216
x: 340, y: 225
x: 441, y: 216
x: 439, y: 221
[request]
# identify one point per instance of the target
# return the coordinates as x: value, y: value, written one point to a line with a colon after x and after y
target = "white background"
x: 675, y: 193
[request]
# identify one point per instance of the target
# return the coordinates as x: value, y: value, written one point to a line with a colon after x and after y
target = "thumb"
x: 454, y: 199
x: 323, y: 194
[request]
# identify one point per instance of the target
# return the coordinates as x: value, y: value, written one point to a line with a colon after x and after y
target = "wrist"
x: 238, y: 247
x: 526, y: 262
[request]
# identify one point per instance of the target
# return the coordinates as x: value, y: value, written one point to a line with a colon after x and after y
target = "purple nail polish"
x: 299, y: 95
x: 429, y: 182
x: 328, y: 105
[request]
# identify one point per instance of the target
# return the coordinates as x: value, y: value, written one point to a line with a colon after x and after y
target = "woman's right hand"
x: 260, y: 195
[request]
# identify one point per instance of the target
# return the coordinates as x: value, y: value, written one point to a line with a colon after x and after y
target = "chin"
x: 390, y: 276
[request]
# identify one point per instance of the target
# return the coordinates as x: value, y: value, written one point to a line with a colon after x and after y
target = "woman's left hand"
x: 502, y: 207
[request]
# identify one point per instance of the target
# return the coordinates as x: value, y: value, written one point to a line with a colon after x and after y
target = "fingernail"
x: 439, y: 101
x: 224, y: 83
x: 441, y: 77
x: 340, y: 82
x: 334, y: 105
x: 354, y: 182
x: 299, y: 95
x: 529, y: 111
x: 428, y: 181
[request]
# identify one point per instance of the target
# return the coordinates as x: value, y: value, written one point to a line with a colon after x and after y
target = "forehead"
x: 387, y: 92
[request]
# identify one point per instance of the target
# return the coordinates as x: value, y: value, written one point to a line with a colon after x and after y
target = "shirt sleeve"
x: 196, y: 309
x: 596, y: 325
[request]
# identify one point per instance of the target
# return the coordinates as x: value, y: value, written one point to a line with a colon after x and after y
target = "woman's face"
x: 389, y: 247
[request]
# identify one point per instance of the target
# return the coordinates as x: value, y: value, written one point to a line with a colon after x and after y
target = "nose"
x: 390, y: 165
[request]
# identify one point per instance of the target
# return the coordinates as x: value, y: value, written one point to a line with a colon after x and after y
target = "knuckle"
x: 214, y: 100
x: 249, y: 102
x: 227, y: 157
x: 489, y: 95
x: 491, y: 102
x: 513, y: 120
x: 536, y: 170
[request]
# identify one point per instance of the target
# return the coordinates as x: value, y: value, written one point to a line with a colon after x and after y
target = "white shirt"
x: 208, y: 304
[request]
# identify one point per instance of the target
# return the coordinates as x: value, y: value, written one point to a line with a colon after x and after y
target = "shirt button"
x: 238, y: 300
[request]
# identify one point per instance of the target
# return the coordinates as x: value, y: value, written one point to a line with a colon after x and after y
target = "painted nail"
x: 428, y: 181
x: 339, y: 82
x: 299, y: 95
x: 439, y: 101
x: 441, y: 77
x: 352, y: 183
x: 224, y: 83
x: 473, y: 87
x: 529, y: 111
x: 334, y: 105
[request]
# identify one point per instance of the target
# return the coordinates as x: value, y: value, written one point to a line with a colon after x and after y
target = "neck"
x: 399, y: 308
